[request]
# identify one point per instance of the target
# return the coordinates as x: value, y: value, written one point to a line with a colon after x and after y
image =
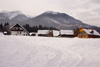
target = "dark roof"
x: 18, y: 25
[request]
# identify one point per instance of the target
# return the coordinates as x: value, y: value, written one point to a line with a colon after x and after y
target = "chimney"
x: 92, y: 31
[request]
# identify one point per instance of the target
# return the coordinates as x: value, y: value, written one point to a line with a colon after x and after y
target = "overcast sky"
x: 88, y: 11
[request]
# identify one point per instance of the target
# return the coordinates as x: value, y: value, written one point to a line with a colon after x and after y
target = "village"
x: 18, y: 30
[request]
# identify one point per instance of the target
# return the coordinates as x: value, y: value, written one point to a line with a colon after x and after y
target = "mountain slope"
x: 55, y: 19
x: 49, y: 19
x: 12, y: 17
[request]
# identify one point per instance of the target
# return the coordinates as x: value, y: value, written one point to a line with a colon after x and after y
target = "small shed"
x: 67, y: 33
x: 44, y: 33
x: 87, y: 33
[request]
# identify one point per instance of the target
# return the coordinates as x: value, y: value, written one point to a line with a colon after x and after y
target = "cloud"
x: 95, y: 1
x: 87, y: 11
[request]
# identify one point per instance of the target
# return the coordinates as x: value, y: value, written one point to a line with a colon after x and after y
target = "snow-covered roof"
x: 67, y: 32
x: 55, y: 33
x: 43, y: 31
x: 91, y: 32
x: 32, y: 33
x: 4, y: 32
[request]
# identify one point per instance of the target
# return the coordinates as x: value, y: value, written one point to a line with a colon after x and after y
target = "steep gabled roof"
x: 67, y: 32
x: 89, y: 31
x: 18, y: 25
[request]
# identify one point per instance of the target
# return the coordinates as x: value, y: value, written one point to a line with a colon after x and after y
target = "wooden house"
x: 44, y: 33
x: 67, y: 33
x: 17, y: 29
x: 87, y: 33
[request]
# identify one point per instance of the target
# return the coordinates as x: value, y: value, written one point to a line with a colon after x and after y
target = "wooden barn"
x: 44, y: 33
x: 87, y: 33
x: 17, y: 29
x: 67, y: 33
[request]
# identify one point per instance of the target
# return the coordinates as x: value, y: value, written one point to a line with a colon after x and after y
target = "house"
x: 44, y: 33
x: 54, y: 33
x: 67, y: 33
x: 87, y: 33
x: 17, y: 29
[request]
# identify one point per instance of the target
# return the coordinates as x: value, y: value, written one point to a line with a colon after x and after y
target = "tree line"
x: 36, y: 28
x: 3, y: 27
x: 6, y: 27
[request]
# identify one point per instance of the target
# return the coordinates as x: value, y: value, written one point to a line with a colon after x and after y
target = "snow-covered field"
x: 26, y: 51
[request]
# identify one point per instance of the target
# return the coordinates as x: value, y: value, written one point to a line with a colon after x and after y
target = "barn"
x: 87, y: 33
x: 44, y: 33
x: 17, y: 29
x: 67, y: 33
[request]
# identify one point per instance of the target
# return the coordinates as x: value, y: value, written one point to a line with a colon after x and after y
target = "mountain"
x: 12, y: 17
x: 55, y: 19
x: 48, y: 18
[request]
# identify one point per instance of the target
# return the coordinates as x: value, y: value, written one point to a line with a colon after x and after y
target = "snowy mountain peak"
x: 51, y: 12
x: 4, y: 11
x: 11, y: 14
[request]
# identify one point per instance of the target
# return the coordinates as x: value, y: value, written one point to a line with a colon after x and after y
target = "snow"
x: 67, y: 32
x: 5, y: 32
x: 51, y: 12
x: 43, y: 31
x: 32, y: 33
x: 2, y: 18
x: 55, y: 33
x: 1, y: 33
x: 26, y: 51
x: 55, y: 21
x: 12, y: 14
x: 88, y: 31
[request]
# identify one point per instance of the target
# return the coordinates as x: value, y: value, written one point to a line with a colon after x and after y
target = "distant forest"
x: 6, y: 27
x: 36, y: 28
